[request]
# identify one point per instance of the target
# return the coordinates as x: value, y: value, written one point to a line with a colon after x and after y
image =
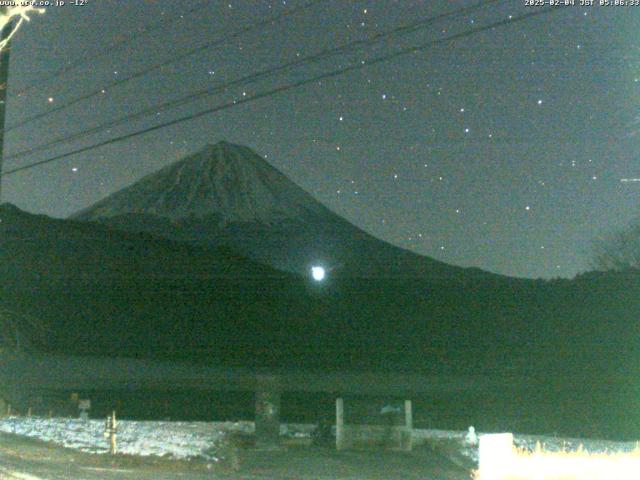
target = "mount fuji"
x: 228, y: 196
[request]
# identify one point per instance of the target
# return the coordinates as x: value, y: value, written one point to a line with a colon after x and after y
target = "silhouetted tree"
x: 620, y: 251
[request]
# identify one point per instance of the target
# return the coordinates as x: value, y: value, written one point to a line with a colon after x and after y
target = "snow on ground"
x: 527, y: 442
x: 202, y: 439
x: 173, y: 439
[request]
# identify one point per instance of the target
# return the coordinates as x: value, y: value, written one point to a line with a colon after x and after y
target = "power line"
x: 291, y: 86
x: 157, y: 66
x: 103, y: 51
x: 409, y: 28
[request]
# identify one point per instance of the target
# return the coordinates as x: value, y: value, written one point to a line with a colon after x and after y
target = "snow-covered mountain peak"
x: 227, y: 181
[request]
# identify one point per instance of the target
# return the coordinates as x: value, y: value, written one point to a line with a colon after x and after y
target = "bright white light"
x: 317, y: 273
x: 499, y: 459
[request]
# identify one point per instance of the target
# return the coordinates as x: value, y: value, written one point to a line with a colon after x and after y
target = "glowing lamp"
x: 318, y: 273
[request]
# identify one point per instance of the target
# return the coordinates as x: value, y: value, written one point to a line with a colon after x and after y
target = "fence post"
x: 408, y: 415
x: 339, y: 424
x: 267, y: 418
x: 110, y: 431
x: 408, y: 423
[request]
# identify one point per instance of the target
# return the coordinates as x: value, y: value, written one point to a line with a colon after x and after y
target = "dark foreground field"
x: 22, y: 458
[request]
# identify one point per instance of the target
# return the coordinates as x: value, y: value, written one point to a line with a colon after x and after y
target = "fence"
x: 391, y: 435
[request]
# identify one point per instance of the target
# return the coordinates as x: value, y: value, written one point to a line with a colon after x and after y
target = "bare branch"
x: 620, y: 251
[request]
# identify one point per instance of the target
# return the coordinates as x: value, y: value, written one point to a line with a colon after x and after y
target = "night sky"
x: 509, y: 150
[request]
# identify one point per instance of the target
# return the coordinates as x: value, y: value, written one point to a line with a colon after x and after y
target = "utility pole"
x: 4, y: 84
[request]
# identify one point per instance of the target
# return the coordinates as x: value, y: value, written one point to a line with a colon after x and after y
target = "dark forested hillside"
x: 106, y: 292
